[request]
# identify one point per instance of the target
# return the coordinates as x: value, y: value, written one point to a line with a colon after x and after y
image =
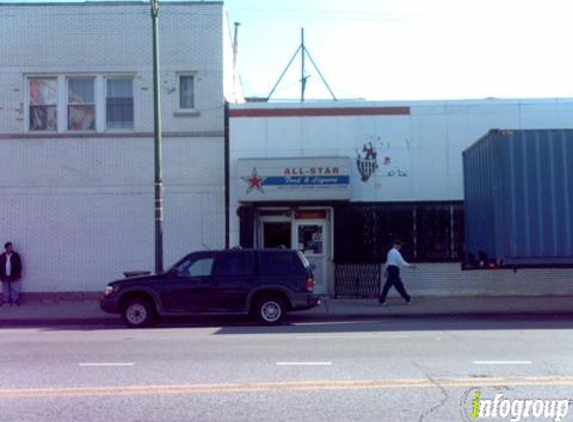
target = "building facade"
x: 342, y: 180
x: 76, y: 137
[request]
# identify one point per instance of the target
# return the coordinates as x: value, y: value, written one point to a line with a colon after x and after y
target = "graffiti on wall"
x: 383, y: 158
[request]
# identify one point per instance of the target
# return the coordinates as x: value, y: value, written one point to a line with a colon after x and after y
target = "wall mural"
x: 384, y: 158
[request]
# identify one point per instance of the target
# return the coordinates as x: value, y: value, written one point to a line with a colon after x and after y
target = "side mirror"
x: 173, y: 273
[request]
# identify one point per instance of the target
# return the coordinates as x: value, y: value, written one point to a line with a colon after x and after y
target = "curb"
x: 301, y: 317
x: 50, y: 322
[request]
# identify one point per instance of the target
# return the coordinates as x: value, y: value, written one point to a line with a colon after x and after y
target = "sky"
x: 407, y: 49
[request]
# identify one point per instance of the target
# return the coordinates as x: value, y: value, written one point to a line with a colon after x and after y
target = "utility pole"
x: 157, y: 142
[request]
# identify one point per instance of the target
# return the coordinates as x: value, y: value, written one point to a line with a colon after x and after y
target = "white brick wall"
x: 450, y: 280
x: 80, y: 208
x: 106, y: 38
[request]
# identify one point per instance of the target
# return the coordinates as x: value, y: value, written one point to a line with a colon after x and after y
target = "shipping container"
x: 518, y: 187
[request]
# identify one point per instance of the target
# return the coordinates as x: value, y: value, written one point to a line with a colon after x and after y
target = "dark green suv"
x: 265, y: 283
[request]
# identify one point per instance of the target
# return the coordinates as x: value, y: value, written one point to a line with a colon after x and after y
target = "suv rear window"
x: 235, y: 263
x: 280, y: 263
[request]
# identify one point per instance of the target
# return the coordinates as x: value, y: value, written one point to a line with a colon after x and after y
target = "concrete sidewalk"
x: 64, y: 312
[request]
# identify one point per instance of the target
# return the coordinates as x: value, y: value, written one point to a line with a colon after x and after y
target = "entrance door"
x: 311, y: 238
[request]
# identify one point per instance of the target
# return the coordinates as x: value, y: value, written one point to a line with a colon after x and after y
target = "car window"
x: 234, y: 263
x: 196, y: 266
x: 280, y: 263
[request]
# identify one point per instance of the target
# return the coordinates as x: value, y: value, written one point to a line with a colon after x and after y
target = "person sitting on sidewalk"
x: 10, y: 273
x: 394, y: 261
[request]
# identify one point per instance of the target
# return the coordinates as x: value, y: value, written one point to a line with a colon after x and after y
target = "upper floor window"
x: 81, y: 103
x: 186, y: 92
x: 119, y: 103
x: 43, y: 104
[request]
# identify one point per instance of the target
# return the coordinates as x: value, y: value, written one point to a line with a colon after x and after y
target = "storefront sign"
x: 293, y: 179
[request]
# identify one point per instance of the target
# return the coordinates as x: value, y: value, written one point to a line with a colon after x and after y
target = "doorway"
x: 304, y: 229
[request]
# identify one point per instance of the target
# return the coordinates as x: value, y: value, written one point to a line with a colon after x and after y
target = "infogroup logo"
x: 476, y: 406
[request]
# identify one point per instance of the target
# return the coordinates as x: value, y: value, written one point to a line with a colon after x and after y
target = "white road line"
x: 352, y: 336
x: 305, y: 363
x: 106, y: 364
x: 502, y: 362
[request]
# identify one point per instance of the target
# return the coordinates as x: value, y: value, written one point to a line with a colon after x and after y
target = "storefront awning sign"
x: 293, y: 179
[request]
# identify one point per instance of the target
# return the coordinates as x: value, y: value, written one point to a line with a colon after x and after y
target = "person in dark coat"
x: 10, y: 274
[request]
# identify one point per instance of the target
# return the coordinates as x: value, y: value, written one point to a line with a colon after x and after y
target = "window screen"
x: 187, y: 92
x: 119, y: 103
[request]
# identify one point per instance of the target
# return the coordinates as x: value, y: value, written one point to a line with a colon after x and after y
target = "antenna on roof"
x: 304, y: 77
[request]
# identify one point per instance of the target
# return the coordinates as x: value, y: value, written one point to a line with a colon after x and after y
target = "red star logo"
x: 255, y: 182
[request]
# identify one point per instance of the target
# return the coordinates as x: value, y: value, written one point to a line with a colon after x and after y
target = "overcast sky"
x: 408, y: 49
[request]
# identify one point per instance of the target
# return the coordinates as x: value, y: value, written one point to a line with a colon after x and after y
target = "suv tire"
x: 270, y: 309
x: 138, y: 313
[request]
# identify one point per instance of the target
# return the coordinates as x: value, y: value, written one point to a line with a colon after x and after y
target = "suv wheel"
x: 138, y: 313
x: 270, y: 309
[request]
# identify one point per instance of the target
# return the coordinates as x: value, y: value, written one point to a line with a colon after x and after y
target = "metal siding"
x: 478, y: 179
x: 530, y: 215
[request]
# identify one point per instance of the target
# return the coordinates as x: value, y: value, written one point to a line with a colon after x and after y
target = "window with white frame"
x: 187, y: 92
x: 81, y: 103
x: 43, y: 103
x: 119, y: 103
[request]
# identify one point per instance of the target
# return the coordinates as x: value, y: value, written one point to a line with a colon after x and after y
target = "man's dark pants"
x: 394, y: 280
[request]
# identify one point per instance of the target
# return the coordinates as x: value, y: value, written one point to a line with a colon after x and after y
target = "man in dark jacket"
x: 10, y: 273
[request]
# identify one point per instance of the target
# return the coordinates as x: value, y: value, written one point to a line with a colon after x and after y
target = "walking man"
x: 394, y: 261
x: 10, y: 273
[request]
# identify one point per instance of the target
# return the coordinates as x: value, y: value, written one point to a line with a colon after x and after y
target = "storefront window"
x: 430, y: 232
x: 277, y: 235
x: 433, y: 233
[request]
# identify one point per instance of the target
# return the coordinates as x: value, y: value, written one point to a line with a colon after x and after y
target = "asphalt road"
x: 393, y: 370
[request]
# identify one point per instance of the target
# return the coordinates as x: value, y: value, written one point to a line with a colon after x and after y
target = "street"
x: 370, y: 370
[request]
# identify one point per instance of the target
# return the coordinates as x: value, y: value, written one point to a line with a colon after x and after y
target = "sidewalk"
x: 64, y: 312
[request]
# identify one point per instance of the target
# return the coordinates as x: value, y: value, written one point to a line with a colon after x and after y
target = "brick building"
x: 76, y: 136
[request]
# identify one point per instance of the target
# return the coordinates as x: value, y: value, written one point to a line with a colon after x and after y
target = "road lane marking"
x: 106, y: 364
x: 366, y: 321
x: 351, y: 336
x: 285, y: 386
x: 305, y: 363
x: 502, y: 362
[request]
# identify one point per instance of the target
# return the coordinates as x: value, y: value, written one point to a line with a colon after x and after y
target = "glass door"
x: 310, y: 237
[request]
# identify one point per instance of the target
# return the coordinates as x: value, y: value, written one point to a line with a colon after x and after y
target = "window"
x: 434, y: 233
x: 431, y: 232
x: 280, y: 263
x: 187, y: 92
x: 119, y: 103
x: 194, y: 266
x: 235, y: 263
x: 43, y: 103
x: 81, y: 104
